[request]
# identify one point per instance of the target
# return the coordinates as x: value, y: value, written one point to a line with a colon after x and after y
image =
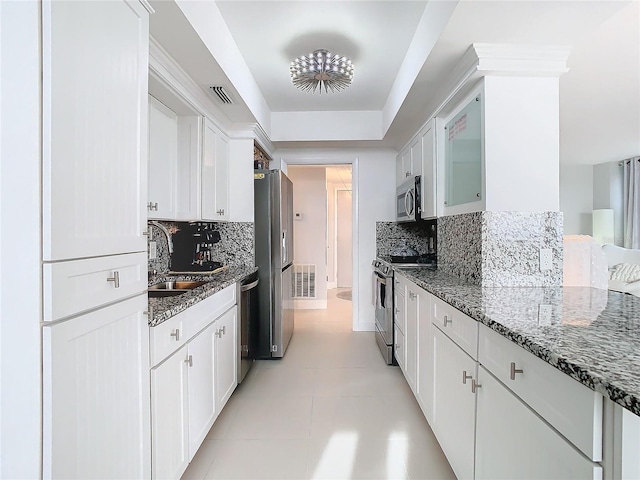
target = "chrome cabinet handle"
x: 115, y: 279
x: 514, y: 370
x: 407, y: 174
x: 152, y: 206
x: 447, y: 320
x: 149, y: 313
x: 176, y: 334
x: 465, y: 377
x: 412, y: 295
x: 224, y: 330
x: 474, y: 386
x: 189, y: 361
x: 218, y: 333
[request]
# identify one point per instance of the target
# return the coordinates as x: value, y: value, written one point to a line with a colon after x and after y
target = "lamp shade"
x: 603, y: 226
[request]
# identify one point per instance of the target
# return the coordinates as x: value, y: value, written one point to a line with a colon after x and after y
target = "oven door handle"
x: 380, y: 278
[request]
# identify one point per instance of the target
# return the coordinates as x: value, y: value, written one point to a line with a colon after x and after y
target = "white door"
x: 94, y: 108
x: 96, y: 394
x: 344, y: 218
x: 201, y: 387
x: 163, y: 161
x: 454, y: 404
x: 226, y: 356
x: 514, y: 443
x: 169, y: 417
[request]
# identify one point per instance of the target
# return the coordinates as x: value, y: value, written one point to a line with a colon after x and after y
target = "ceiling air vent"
x: 221, y: 93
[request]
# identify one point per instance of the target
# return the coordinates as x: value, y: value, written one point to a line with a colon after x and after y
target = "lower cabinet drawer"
x: 570, y: 407
x: 168, y: 337
x: 512, y: 442
x: 75, y: 286
x: 460, y: 328
x: 206, y: 311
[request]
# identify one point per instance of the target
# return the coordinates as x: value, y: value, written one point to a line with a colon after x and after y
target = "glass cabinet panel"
x: 463, y: 155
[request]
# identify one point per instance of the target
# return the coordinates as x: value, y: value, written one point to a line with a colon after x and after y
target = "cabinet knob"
x: 447, y: 320
x: 474, y: 386
x: 465, y: 377
x: 189, y: 361
x: 115, y: 279
x: 478, y: 195
x: 176, y: 334
x: 514, y: 370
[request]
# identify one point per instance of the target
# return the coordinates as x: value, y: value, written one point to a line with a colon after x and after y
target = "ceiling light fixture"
x: 321, y: 70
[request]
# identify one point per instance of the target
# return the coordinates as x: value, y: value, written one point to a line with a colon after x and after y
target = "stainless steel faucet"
x: 165, y: 231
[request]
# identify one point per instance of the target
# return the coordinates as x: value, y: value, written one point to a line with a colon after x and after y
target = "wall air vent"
x: 221, y: 94
x: 304, y: 281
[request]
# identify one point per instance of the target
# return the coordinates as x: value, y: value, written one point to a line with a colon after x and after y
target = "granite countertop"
x: 166, y: 307
x: 592, y: 335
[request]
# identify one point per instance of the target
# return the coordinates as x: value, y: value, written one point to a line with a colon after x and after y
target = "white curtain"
x: 631, y: 204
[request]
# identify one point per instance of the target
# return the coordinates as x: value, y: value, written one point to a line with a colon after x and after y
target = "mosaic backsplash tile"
x: 501, y: 248
x: 234, y: 246
x: 416, y: 235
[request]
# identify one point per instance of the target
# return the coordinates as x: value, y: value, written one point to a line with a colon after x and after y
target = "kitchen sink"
x: 171, y: 289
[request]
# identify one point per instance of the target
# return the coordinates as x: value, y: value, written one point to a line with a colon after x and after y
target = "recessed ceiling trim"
x: 326, y: 126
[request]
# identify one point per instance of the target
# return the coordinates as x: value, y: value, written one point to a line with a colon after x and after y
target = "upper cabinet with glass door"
x: 461, y: 152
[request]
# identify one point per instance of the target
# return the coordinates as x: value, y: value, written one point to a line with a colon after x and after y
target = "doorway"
x: 323, y: 243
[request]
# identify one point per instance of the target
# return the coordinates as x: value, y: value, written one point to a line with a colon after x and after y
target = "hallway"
x: 330, y: 409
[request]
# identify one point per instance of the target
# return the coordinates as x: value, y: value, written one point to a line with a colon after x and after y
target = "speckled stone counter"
x: 166, y: 307
x: 592, y: 335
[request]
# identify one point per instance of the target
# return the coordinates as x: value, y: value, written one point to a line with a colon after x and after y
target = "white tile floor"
x: 330, y: 409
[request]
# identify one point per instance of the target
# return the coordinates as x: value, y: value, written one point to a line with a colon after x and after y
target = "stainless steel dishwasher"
x: 247, y: 323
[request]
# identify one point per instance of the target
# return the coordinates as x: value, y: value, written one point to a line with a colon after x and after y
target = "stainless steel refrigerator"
x: 273, y: 201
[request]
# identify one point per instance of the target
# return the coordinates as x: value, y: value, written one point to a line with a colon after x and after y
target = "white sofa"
x: 626, y: 256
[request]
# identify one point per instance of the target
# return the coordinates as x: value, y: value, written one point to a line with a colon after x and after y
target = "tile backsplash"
x: 495, y: 249
x: 235, y: 245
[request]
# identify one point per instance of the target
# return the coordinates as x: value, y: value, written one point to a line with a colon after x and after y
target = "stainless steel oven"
x: 382, y: 284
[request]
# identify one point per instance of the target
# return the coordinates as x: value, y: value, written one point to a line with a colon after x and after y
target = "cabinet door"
x: 399, y: 302
x: 406, y: 164
x: 226, y: 356
x: 202, y: 412
x: 222, y: 178
x: 416, y: 157
x: 96, y: 394
x: 399, y: 170
x: 163, y: 161
x: 514, y: 443
x: 215, y: 174
x: 94, y: 109
x: 411, y: 336
x: 429, y: 181
x: 169, y: 417
x: 425, y: 356
x: 454, y: 404
x: 399, y: 350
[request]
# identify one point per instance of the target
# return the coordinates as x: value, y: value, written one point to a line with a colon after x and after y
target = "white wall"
x: 20, y: 281
x: 310, y: 233
x: 521, y: 143
x: 576, y: 198
x: 373, y: 192
x: 331, y: 229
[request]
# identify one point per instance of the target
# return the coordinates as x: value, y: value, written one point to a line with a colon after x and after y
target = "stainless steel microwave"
x: 408, y: 200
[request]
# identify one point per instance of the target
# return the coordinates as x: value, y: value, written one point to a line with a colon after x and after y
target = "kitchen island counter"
x: 164, y: 308
x: 590, y: 334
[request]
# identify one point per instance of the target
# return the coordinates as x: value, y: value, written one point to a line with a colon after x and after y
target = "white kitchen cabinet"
x: 191, y: 386
x: 424, y: 392
x: 201, y: 359
x: 399, y: 350
x: 174, y: 164
x: 429, y: 172
x: 514, y: 443
x: 96, y: 394
x: 215, y: 174
x: 169, y: 417
x: 411, y: 336
x: 454, y: 403
x: 163, y: 161
x: 226, y: 357
x: 416, y: 157
x: 409, y: 162
x: 94, y: 108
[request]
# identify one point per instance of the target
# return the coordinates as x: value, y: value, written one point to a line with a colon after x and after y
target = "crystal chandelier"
x: 321, y: 70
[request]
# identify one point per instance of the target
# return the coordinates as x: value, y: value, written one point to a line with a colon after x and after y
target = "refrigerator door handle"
x: 284, y: 247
